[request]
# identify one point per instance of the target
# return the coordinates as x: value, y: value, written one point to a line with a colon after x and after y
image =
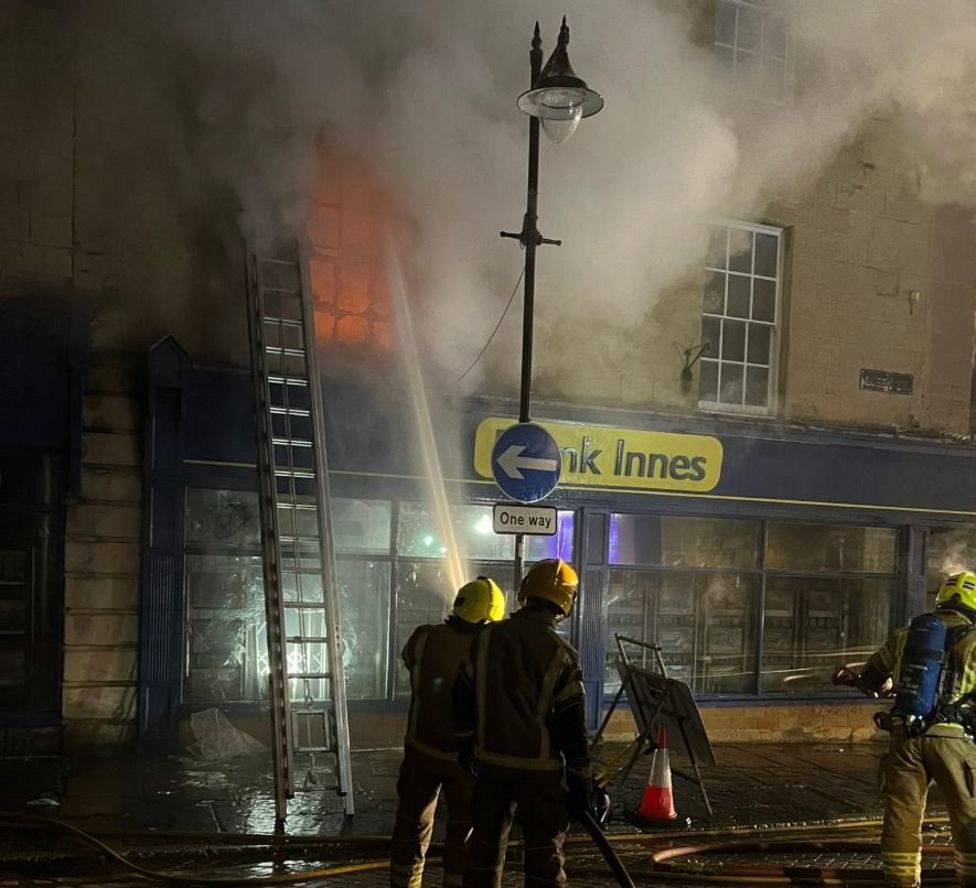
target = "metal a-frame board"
x: 655, y: 699
x: 307, y: 685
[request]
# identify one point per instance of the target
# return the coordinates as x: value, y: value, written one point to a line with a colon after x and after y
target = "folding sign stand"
x: 657, y: 700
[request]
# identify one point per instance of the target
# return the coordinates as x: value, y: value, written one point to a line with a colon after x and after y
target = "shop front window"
x: 227, y: 658
x: 390, y: 579
x: 703, y: 588
x: 828, y: 601
x: 950, y: 550
x: 424, y: 588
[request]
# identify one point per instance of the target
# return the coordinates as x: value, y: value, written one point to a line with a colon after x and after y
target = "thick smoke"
x: 426, y: 91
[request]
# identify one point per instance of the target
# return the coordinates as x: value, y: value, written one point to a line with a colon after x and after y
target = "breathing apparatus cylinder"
x: 921, y: 671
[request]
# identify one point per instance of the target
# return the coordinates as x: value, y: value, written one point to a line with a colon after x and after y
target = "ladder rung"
x: 293, y: 473
x: 284, y: 322
x: 291, y: 442
x: 290, y: 411
x: 296, y: 381
x: 307, y: 639
x: 291, y: 539
x: 300, y: 507
x: 285, y: 350
x: 301, y: 676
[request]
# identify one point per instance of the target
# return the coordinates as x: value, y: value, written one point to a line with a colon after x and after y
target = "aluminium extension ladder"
x: 307, y: 685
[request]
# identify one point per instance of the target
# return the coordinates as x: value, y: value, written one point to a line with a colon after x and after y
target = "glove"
x: 846, y: 677
x: 600, y: 800
x: 579, y: 797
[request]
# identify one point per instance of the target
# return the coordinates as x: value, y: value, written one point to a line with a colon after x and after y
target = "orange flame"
x: 348, y: 217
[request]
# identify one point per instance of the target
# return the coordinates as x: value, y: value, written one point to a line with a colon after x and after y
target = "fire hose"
x: 606, y: 849
x: 662, y: 869
x: 586, y: 820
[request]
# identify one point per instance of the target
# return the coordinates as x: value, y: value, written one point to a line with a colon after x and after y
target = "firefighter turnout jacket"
x: 435, y: 655
x: 935, y: 748
x: 520, y: 701
x: 958, y: 691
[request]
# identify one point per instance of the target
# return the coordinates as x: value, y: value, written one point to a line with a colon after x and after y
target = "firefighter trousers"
x: 421, y: 779
x: 544, y: 814
x: 906, y: 771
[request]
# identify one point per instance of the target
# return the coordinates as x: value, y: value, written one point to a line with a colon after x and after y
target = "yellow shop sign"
x: 597, y: 456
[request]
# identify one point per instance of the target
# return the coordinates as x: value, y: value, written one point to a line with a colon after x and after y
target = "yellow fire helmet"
x: 553, y: 580
x: 480, y: 601
x: 959, y: 589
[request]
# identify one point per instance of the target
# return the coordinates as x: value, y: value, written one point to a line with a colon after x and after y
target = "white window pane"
x: 733, y: 341
x: 731, y: 384
x: 759, y: 340
x: 749, y: 29
x: 757, y: 386
x: 361, y: 525
x: 715, y: 293
x: 747, y: 72
x: 717, y: 248
x: 711, y: 336
x: 740, y: 250
x: 725, y: 23
x: 763, y: 300
x: 738, y: 306
x: 726, y: 56
x: 708, y: 389
x: 767, y: 247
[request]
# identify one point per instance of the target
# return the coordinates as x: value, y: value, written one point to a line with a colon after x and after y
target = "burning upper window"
x: 348, y: 221
x: 751, y: 38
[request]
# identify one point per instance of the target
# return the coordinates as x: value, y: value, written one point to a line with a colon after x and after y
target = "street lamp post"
x: 557, y: 99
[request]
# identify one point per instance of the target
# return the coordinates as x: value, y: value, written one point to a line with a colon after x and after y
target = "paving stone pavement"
x: 754, y: 789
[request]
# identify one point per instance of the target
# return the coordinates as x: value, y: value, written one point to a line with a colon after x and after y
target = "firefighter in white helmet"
x: 929, y: 667
x: 520, y: 715
x: 434, y: 655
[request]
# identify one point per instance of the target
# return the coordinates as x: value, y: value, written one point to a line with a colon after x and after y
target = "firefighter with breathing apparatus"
x: 519, y: 712
x: 434, y: 656
x: 929, y: 667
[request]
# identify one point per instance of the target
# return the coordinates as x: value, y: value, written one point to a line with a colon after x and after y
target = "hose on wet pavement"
x: 663, y: 865
x: 279, y: 879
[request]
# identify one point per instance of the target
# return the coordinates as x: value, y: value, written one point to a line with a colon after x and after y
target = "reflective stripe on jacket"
x: 526, y: 678
x: 434, y: 655
x: 886, y: 661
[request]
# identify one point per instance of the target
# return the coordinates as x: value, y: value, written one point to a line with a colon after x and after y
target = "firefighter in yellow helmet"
x: 930, y: 669
x: 434, y: 655
x: 520, y: 716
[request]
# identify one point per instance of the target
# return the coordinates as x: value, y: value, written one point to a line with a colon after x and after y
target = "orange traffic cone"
x: 658, y: 800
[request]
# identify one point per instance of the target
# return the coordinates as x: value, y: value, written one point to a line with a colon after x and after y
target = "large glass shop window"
x: 694, y: 586
x: 424, y: 591
x: 226, y: 648
x: 950, y: 550
x: 382, y: 597
x: 226, y: 643
x: 827, y: 603
x: 704, y: 620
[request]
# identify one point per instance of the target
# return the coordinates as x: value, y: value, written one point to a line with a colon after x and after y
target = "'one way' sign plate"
x: 525, y: 462
x: 539, y: 520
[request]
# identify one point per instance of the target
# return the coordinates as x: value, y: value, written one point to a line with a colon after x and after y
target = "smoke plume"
x: 426, y: 92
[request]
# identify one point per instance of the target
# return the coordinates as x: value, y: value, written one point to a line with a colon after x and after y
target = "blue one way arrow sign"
x: 525, y: 462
